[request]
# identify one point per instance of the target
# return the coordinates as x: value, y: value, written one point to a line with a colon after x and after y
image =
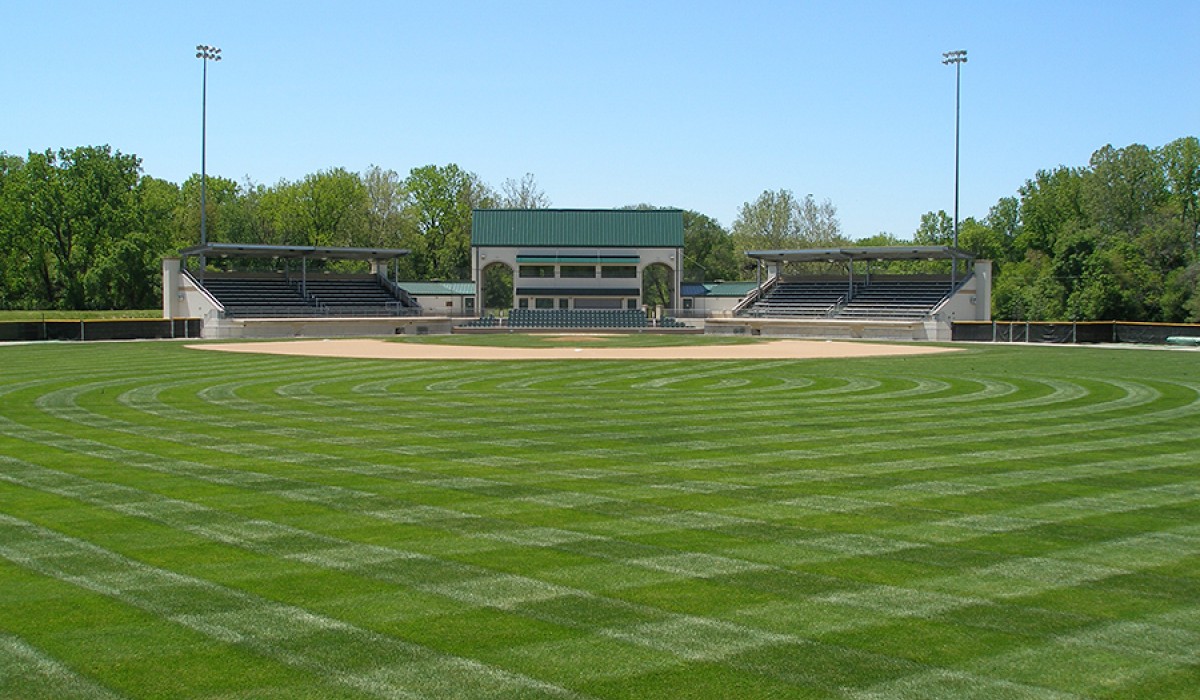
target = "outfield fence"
x: 1071, y: 332
x: 100, y: 329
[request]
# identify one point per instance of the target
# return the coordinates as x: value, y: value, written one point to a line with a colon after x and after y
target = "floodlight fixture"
x: 956, y: 59
x: 205, y: 54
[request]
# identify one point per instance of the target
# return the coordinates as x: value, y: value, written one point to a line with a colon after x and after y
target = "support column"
x: 171, y: 274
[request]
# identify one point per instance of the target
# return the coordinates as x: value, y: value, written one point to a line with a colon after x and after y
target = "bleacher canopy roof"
x: 917, y: 252
x: 253, y: 250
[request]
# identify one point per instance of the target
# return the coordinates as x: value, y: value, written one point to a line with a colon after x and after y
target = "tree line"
x: 84, y: 228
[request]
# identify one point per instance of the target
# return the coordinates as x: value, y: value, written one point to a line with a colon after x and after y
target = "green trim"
x: 577, y: 292
x: 439, y: 289
x: 607, y: 259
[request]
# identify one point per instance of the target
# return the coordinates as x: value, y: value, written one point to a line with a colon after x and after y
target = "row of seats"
x: 896, y: 299
x: 356, y: 297
x: 270, y: 297
x: 577, y: 318
x: 806, y: 299
x: 279, y: 297
x: 881, y: 299
x: 602, y: 319
x: 488, y: 321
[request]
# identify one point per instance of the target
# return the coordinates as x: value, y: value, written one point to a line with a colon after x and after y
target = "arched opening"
x: 497, y: 288
x: 658, y: 286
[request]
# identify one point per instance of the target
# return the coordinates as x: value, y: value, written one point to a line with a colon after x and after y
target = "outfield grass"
x: 78, y: 315
x: 1005, y: 522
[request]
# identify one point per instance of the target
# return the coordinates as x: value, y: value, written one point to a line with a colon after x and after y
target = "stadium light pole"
x: 205, y: 54
x: 956, y: 58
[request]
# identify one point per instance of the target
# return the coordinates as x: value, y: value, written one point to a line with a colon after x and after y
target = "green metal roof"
x: 438, y: 289
x: 718, y: 289
x: 566, y: 228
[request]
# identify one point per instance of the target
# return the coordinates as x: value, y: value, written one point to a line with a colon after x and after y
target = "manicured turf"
x: 1009, y: 522
x: 78, y: 315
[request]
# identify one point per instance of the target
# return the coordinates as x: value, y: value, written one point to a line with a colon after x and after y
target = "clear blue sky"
x: 701, y: 105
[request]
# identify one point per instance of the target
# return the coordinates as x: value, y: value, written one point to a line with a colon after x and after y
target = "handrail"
x: 399, y: 292
x: 755, y: 295
x: 204, y: 290
x: 950, y: 295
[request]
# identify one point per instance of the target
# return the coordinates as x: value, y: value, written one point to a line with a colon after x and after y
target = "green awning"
x: 579, y: 259
x: 577, y: 292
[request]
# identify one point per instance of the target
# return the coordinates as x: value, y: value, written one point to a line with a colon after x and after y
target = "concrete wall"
x: 326, y: 328
x: 182, y: 298
x: 710, y: 306
x: 833, y: 328
x: 972, y: 301
x: 453, y: 305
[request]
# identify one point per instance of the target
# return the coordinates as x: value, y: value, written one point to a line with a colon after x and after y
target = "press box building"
x: 577, y: 258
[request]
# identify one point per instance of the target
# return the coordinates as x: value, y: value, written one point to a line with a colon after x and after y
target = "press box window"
x: 538, y: 271
x: 619, y: 271
x: 577, y: 271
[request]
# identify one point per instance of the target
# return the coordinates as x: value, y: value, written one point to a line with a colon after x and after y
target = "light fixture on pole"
x: 956, y: 58
x: 205, y: 54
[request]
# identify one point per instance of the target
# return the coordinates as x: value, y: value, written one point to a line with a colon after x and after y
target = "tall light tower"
x: 956, y: 58
x: 205, y: 54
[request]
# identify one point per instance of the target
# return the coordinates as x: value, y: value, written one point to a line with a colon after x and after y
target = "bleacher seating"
x: 577, y: 318
x: 805, y: 299
x: 355, y: 297
x: 488, y: 321
x: 279, y: 297
x: 898, y: 299
x: 273, y: 297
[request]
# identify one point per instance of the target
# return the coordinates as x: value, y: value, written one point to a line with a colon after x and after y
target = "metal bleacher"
x: 278, y: 297
x: 806, y: 299
x: 896, y: 299
x: 356, y: 297
x: 252, y: 297
x: 884, y: 299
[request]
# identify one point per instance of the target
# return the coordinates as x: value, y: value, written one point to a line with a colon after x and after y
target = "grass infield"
x: 1004, y: 522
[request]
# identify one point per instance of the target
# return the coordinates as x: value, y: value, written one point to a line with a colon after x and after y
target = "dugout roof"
x: 932, y: 252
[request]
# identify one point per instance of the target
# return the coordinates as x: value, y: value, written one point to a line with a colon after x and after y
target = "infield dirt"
x: 384, y: 350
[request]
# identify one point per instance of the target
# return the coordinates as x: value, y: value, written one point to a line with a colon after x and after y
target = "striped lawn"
x: 1008, y: 522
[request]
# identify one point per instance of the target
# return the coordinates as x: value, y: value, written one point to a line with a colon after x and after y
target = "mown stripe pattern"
x: 999, y: 523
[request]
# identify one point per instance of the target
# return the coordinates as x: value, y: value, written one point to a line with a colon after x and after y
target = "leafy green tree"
x: 779, y: 221
x: 221, y: 195
x: 1181, y: 164
x: 523, y: 194
x: 1048, y: 202
x: 334, y: 208
x: 936, y: 228
x: 440, y: 202
x: 1122, y: 189
x: 497, y: 287
x: 386, y: 216
x: 81, y: 200
x: 708, y: 252
x: 16, y: 271
x: 1029, y: 290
